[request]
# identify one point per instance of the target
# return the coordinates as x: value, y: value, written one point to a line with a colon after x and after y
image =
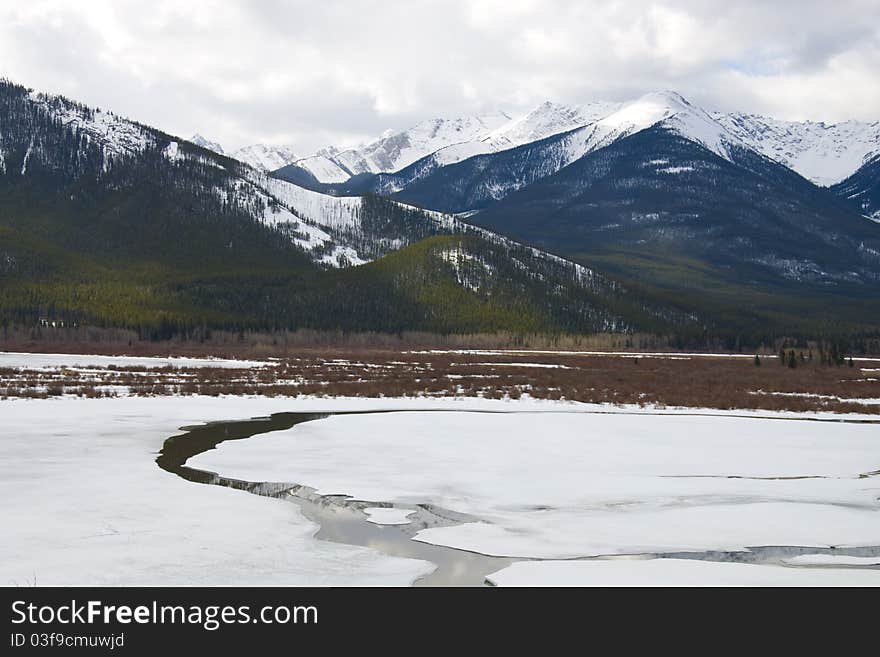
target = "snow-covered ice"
x: 388, y: 515
x: 832, y: 560
x: 84, y: 503
x: 87, y: 504
x: 674, y: 572
x: 562, y: 485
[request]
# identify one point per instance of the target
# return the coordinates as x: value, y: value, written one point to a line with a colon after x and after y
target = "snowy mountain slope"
x: 198, y: 140
x: 663, y: 108
x: 323, y: 226
x: 655, y: 188
x: 862, y: 189
x: 117, y: 136
x: 259, y: 156
x: 545, y: 120
x: 451, y: 140
x: 660, y: 195
x: 45, y: 134
x: 320, y: 209
x: 823, y: 153
x: 395, y: 150
x: 481, y: 180
x: 223, y: 238
x: 298, y: 212
x: 266, y: 158
x: 323, y: 167
x: 343, y: 224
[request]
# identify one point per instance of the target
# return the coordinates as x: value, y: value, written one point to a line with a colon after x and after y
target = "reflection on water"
x: 342, y: 519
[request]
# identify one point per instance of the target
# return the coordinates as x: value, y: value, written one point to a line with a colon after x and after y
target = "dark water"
x: 342, y: 519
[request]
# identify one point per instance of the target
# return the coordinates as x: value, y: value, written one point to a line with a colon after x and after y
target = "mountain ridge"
x: 653, y: 217
x: 113, y: 223
x: 824, y: 153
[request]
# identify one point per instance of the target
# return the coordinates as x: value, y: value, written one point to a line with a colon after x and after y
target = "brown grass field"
x: 676, y: 379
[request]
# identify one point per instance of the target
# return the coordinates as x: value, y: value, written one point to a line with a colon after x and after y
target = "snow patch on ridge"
x: 336, y: 212
x: 117, y: 135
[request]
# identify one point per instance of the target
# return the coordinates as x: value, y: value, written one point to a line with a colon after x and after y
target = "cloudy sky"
x: 317, y: 72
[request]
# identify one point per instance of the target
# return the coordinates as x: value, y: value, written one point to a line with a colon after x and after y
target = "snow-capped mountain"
x: 545, y: 120
x: 479, y: 180
x: 265, y: 158
x: 332, y: 230
x: 259, y: 156
x: 821, y: 152
x: 451, y: 140
x: 656, y: 190
x: 45, y: 133
x: 679, y: 192
x: 221, y: 243
x: 395, y: 150
x: 667, y: 109
x: 554, y: 136
x: 198, y: 140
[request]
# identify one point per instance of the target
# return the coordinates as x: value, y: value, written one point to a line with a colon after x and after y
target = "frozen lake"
x: 433, y: 492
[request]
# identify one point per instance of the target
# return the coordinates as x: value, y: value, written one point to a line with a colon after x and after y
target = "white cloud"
x: 312, y: 73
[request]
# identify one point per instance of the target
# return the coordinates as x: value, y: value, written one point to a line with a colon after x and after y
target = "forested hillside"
x: 862, y: 189
x: 107, y: 222
x: 744, y: 242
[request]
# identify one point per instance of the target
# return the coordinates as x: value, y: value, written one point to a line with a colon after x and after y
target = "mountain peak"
x: 674, y: 112
x: 670, y: 96
x: 666, y: 100
x: 266, y: 158
x: 643, y: 112
x: 198, y: 140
